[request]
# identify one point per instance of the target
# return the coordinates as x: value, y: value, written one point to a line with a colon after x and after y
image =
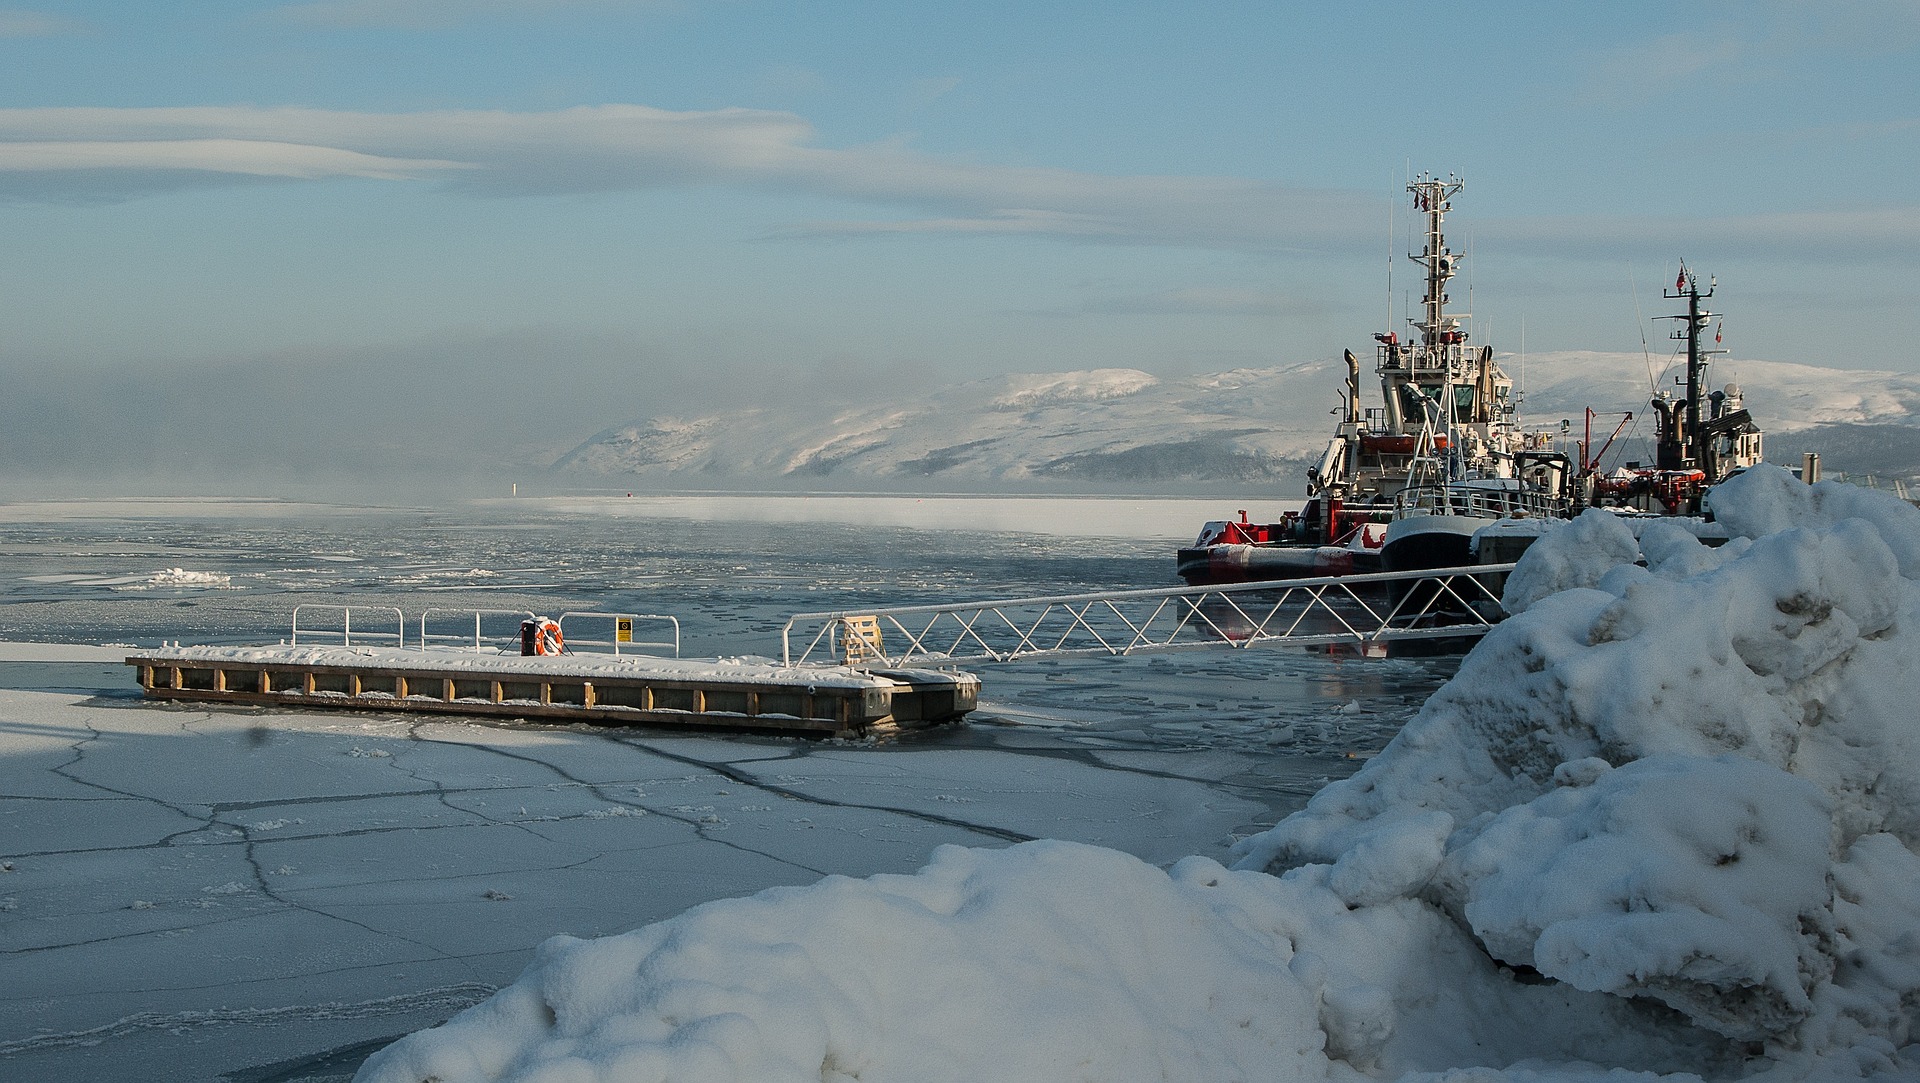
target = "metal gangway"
x: 1356, y: 610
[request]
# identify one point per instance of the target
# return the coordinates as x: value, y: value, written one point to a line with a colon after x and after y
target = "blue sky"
x: 597, y: 210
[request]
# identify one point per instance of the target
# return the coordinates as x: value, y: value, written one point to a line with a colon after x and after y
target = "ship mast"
x: 1448, y: 405
x: 1438, y: 333
x: 1693, y: 450
x: 1442, y: 344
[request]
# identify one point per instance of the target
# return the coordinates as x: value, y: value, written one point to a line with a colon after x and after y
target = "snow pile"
x: 1661, y: 781
x: 986, y: 965
x: 1664, y: 821
x: 1045, y: 961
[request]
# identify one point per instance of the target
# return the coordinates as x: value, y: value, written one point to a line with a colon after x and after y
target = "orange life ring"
x: 547, y: 638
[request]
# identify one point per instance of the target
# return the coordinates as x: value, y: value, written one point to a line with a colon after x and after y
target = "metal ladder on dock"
x: 1355, y: 610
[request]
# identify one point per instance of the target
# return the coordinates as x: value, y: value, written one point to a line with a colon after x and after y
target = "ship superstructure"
x: 1446, y: 418
x: 1700, y: 439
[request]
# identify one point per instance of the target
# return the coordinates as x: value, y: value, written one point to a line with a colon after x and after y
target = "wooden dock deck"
x: 602, y: 688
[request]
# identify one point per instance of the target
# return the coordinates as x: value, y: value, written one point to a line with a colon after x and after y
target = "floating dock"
x: 613, y: 689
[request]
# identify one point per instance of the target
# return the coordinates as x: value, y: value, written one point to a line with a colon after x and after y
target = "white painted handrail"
x: 345, y: 632
x: 427, y: 639
x: 615, y: 641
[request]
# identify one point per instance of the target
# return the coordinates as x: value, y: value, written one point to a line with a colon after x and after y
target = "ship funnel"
x: 1353, y: 387
x: 1670, y: 442
x: 1483, y: 404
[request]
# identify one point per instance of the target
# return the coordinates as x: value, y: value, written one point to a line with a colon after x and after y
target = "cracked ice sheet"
x: 1010, y: 794
x: 198, y: 892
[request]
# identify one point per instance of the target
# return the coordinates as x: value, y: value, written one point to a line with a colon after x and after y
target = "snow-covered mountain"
x: 1124, y: 426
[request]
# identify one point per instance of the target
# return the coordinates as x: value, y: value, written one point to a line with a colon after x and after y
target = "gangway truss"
x: 1357, y: 610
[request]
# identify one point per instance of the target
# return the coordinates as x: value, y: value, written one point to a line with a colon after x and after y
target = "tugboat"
x: 1699, y: 441
x: 1694, y: 448
x: 1399, y: 482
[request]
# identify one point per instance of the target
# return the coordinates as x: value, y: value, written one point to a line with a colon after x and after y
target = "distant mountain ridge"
x: 1260, y: 426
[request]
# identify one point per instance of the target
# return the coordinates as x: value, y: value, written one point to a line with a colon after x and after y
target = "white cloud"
x: 16, y: 23
x: 1849, y: 234
x: 628, y: 147
x: 247, y: 157
x: 439, y: 14
x: 924, y: 92
x: 788, y: 81
x: 63, y: 154
x: 1752, y: 42
x: 998, y: 222
x: 1212, y: 301
x: 1866, y: 27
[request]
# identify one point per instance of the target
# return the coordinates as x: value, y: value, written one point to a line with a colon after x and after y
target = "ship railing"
x: 1356, y: 610
x: 620, y: 628
x: 1870, y: 481
x: 505, y: 641
x: 1477, y: 502
x: 344, y: 632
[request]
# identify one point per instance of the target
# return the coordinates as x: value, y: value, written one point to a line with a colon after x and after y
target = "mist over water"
x: 438, y: 419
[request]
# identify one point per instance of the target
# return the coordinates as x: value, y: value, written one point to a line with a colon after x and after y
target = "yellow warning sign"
x: 623, y: 630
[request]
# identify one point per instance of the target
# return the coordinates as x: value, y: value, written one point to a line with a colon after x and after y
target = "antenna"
x: 1391, y: 197
x: 1470, y: 277
x: 1653, y: 385
x: 1523, y: 360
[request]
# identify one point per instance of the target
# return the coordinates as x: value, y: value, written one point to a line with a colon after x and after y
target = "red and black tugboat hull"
x: 1213, y: 565
x: 1426, y: 543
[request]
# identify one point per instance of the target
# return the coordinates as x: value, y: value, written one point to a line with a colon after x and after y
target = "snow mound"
x: 1044, y: 961
x: 1694, y: 881
x: 1662, y: 825
x: 1656, y: 777
x: 986, y: 965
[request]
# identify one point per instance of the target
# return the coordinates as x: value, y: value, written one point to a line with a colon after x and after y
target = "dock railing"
x: 344, y: 633
x: 1359, y: 610
x: 623, y: 625
x: 507, y: 641
x: 503, y: 636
